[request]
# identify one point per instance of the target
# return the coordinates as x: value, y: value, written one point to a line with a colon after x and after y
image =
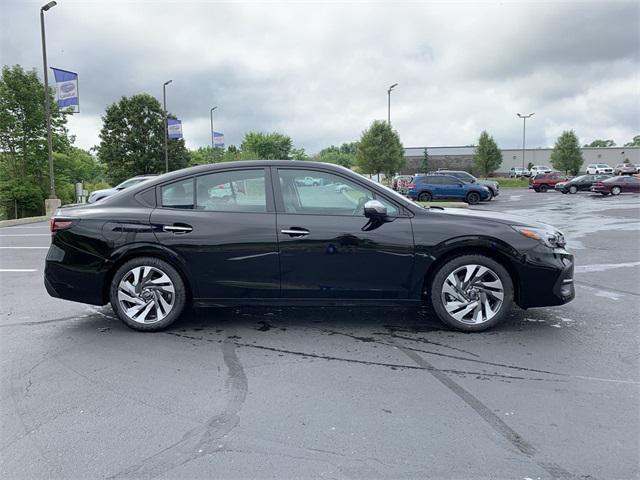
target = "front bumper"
x: 545, y: 278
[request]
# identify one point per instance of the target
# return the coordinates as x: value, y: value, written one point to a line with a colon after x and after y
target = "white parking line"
x: 28, y: 235
x: 23, y: 248
x: 18, y: 270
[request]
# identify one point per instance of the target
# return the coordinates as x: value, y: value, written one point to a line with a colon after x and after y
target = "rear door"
x: 328, y: 248
x: 222, y: 226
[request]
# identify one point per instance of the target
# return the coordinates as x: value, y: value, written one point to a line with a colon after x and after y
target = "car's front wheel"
x: 573, y: 189
x: 472, y: 293
x: 424, y: 197
x: 615, y: 190
x: 473, y: 198
x: 147, y: 294
x: 543, y: 188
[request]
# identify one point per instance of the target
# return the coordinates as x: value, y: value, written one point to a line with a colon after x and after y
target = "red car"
x: 544, y: 181
x: 617, y: 185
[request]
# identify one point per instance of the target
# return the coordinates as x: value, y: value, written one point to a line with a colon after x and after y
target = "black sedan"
x: 582, y: 183
x: 251, y: 233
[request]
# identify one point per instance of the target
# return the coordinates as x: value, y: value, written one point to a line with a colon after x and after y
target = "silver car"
x: 107, y: 192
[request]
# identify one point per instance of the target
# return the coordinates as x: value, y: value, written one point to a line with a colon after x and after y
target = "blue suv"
x: 424, y: 188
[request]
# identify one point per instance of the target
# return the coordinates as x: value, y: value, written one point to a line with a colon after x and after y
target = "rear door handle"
x: 177, y: 229
x: 296, y: 232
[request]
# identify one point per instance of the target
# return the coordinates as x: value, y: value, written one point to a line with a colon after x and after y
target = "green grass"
x: 511, y: 182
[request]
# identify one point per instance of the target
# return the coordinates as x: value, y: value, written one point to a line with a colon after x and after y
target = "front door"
x: 222, y: 226
x: 327, y: 246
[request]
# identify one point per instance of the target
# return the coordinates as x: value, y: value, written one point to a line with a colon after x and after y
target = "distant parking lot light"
x: 389, y: 102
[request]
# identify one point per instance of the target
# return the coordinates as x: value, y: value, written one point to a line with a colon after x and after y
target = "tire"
x: 446, y: 295
x: 604, y: 194
x: 573, y: 189
x: 543, y: 188
x: 564, y: 192
x: 536, y: 189
x: 160, y: 305
x: 491, y: 196
x: 424, y: 197
x: 472, y: 198
x: 615, y: 190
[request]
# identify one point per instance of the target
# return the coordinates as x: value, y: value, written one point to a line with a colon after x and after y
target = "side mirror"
x: 374, y: 209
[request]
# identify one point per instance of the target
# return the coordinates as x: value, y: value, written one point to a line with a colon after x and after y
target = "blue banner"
x: 174, y: 128
x: 67, y: 94
x: 218, y: 140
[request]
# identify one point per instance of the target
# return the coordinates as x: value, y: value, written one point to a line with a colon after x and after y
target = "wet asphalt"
x: 332, y: 393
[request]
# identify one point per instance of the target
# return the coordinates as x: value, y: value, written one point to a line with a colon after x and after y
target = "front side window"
x: 178, y: 194
x: 323, y: 193
x: 232, y: 191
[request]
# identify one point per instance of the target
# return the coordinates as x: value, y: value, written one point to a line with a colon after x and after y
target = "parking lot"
x: 332, y: 393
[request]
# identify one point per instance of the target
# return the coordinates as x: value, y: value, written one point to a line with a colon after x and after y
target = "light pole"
x: 524, y: 132
x: 166, y: 125
x: 212, y: 135
x: 389, y: 103
x: 47, y: 107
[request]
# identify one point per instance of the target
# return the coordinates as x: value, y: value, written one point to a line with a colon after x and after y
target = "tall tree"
x: 267, y: 146
x: 24, y: 173
x: 601, y: 143
x: 424, y: 162
x: 635, y: 142
x: 299, y: 154
x: 380, y: 150
x: 204, y: 155
x: 566, y: 155
x: 487, y: 157
x: 132, y: 139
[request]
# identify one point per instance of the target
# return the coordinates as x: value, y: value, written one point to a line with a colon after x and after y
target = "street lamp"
x: 524, y: 132
x: 47, y: 108
x: 212, y: 134
x: 166, y: 125
x: 389, y: 102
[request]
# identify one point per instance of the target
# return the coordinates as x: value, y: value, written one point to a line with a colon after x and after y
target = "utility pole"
x: 212, y: 134
x: 166, y: 125
x: 47, y: 107
x: 524, y: 132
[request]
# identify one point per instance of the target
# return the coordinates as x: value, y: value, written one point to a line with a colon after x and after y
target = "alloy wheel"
x: 615, y: 191
x: 146, y: 294
x: 472, y: 294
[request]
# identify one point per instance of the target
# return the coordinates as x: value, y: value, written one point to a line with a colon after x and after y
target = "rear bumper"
x: 546, y: 278
x: 81, y: 280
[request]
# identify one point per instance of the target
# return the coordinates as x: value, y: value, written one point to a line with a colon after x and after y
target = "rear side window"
x: 178, y: 194
x: 232, y: 191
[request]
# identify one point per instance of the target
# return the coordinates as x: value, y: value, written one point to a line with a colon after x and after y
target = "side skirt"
x: 303, y: 302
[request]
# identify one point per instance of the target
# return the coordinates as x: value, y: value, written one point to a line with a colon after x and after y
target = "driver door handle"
x: 296, y: 232
x: 178, y: 229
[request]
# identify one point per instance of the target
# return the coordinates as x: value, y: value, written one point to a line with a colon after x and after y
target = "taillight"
x: 57, y: 224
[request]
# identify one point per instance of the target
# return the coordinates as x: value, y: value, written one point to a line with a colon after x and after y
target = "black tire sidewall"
x: 473, y: 198
x: 425, y: 197
x: 544, y: 188
x: 178, y: 284
x: 450, y: 266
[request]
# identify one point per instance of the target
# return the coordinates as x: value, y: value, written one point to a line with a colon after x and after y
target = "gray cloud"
x: 319, y: 71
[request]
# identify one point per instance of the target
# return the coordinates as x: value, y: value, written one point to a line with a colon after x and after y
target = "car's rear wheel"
x: 473, y: 198
x: 543, y: 188
x: 615, y: 190
x: 424, y: 197
x: 147, y: 294
x: 472, y: 293
x: 573, y: 189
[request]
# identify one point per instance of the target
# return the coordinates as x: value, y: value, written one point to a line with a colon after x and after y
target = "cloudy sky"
x: 319, y: 71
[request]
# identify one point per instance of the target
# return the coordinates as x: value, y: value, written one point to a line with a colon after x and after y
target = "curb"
x: 22, y: 221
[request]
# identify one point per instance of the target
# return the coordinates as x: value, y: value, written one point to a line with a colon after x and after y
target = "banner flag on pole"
x: 67, y: 94
x: 174, y: 128
x: 218, y: 139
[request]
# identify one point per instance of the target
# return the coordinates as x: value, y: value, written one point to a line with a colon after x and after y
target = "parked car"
x: 159, y: 246
x: 537, y: 169
x: 429, y: 187
x: 625, y: 169
x: 492, y: 185
x: 582, y: 183
x: 400, y: 182
x: 517, y: 172
x: 308, y: 181
x: 596, y: 168
x: 617, y: 185
x: 544, y: 181
x: 107, y: 192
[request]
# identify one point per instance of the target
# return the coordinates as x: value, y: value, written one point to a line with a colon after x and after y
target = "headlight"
x: 552, y: 239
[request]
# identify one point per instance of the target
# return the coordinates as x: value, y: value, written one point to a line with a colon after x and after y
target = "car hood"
x: 502, y: 218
